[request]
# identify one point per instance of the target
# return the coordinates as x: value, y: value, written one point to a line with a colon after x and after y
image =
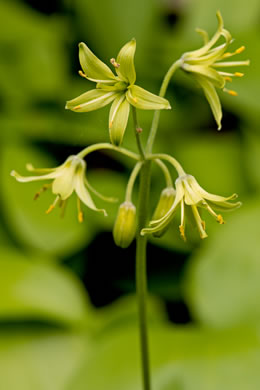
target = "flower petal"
x: 118, y: 118
x: 94, y: 69
x: 209, y: 73
x: 82, y: 192
x: 204, y: 49
x: 125, y: 59
x: 140, y: 98
x: 91, y: 100
x: 224, y: 206
x: 212, y: 98
x: 25, y: 179
x: 63, y: 185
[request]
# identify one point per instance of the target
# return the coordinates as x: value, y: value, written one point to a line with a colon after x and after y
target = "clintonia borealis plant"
x: 118, y: 88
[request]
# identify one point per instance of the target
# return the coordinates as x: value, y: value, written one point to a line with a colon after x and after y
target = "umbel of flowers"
x: 119, y: 89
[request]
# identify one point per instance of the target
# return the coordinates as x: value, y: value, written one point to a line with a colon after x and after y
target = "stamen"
x: 240, y: 50
x: 230, y: 92
x: 114, y: 63
x: 135, y: 99
x: 80, y: 213
x: 43, y: 189
x: 52, y: 206
x: 220, y: 220
x: 82, y: 74
x: 63, y: 205
x: 110, y: 124
x: 238, y: 74
x: 77, y: 107
x: 227, y: 78
x: 227, y: 54
x: 203, y: 224
x: 182, y: 232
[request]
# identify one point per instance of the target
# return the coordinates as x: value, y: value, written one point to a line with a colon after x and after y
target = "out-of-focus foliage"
x: 55, y: 274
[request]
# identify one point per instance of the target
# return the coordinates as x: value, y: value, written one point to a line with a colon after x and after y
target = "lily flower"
x: 67, y: 178
x: 205, y: 66
x: 190, y: 196
x: 119, y: 89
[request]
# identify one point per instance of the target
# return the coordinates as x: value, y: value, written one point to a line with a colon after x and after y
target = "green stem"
x: 141, y: 241
x: 170, y: 159
x: 138, y: 130
x: 156, y: 117
x: 141, y: 278
x: 93, y: 148
x: 131, y: 181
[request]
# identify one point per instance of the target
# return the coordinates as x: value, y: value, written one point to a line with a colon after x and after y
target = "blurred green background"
x: 67, y: 309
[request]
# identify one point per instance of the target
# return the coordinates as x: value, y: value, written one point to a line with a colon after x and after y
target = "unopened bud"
x: 165, y: 202
x: 125, y: 225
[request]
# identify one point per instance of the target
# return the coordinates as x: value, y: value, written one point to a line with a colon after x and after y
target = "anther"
x: 227, y: 78
x: 182, y: 232
x: 110, y: 124
x: 220, y: 219
x: 135, y: 99
x: 77, y: 107
x: 203, y: 224
x: 114, y: 63
x: 230, y: 92
x: 82, y: 74
x: 240, y: 50
x: 43, y: 189
x: 80, y: 213
x: 238, y: 74
x: 227, y: 54
x: 50, y: 209
x: 139, y: 130
x: 52, y: 206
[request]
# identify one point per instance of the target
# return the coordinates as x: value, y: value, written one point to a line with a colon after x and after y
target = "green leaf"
x: 189, y: 358
x: 39, y: 358
x: 27, y: 218
x: 222, y: 283
x: 36, y: 290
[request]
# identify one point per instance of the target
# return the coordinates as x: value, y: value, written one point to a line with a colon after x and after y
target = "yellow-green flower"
x: 190, y: 196
x: 67, y: 178
x: 125, y: 225
x: 205, y: 64
x: 119, y: 89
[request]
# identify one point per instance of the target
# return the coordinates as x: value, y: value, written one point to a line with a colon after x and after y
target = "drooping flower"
x: 205, y: 66
x: 189, y: 197
x: 67, y: 178
x: 119, y: 89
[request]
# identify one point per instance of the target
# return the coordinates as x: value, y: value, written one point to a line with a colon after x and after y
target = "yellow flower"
x: 190, y: 196
x: 205, y: 63
x: 119, y: 89
x: 67, y: 178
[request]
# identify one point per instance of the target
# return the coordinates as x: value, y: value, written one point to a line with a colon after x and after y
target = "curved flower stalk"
x: 67, y: 178
x: 189, y: 197
x: 119, y: 89
x: 204, y: 65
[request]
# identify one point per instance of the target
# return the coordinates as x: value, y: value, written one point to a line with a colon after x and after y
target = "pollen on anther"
x: 182, y: 232
x: 80, y: 217
x: 114, y: 63
x: 220, y: 219
x: 135, y: 99
x: 77, y: 107
x: 239, y: 74
x: 240, y: 49
x: 50, y: 209
x: 227, y: 78
x: 110, y: 124
x: 82, y: 74
x: 230, y: 92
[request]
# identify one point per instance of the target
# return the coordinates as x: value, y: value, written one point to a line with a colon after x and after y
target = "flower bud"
x: 165, y: 202
x: 125, y: 225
